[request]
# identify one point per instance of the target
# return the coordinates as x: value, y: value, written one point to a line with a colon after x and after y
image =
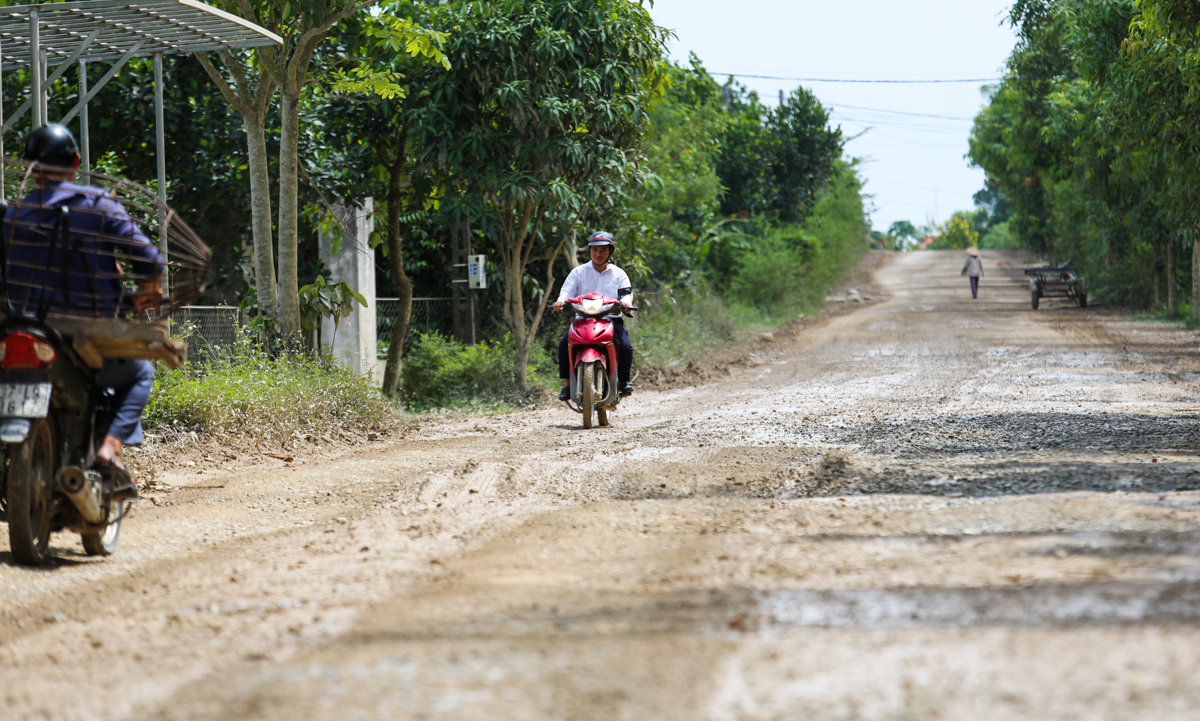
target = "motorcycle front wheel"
x: 589, y: 393
x: 30, y: 501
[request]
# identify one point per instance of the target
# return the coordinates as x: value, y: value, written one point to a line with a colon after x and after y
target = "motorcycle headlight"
x: 592, y: 306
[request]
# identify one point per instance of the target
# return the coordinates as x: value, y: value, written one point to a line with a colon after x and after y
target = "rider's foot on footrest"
x: 122, y: 482
x: 565, y: 394
x: 626, y: 389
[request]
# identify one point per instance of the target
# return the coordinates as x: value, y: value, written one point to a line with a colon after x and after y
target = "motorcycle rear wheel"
x: 30, y: 501
x: 104, y: 543
x: 589, y: 393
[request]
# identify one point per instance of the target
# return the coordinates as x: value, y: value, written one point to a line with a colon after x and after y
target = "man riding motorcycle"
x: 599, y: 276
x: 92, y: 278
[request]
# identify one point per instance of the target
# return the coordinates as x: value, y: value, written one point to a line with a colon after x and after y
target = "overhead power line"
x: 844, y: 80
x: 835, y: 106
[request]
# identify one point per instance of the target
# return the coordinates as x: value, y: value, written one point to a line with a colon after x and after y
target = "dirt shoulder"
x: 859, y: 290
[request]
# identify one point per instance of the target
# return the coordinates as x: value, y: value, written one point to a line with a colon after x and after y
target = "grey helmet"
x: 602, y: 237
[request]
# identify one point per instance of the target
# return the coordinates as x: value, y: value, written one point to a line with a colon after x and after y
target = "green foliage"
x: 998, y: 237
x: 797, y: 264
x: 781, y: 269
x: 244, y: 391
x: 957, y: 233
x: 775, y: 160
x: 398, y: 36
x: 903, y: 234
x: 327, y: 300
x: 441, y: 373
x: 692, y: 321
x: 662, y: 222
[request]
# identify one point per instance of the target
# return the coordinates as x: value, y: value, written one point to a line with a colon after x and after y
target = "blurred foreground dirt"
x: 930, y: 507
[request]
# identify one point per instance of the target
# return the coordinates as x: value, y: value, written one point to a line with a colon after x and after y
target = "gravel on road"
x: 926, y: 507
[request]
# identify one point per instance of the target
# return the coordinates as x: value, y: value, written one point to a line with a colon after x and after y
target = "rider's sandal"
x: 122, y: 482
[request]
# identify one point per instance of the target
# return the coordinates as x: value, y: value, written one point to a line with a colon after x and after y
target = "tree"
x: 775, y: 160
x: 359, y: 137
x: 664, y: 224
x: 251, y: 95
x: 903, y: 230
x: 303, y: 25
x: 956, y: 233
x: 538, y: 119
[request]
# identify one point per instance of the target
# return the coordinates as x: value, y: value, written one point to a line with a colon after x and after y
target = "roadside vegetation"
x: 1088, y: 144
x: 454, y: 117
x: 243, y: 392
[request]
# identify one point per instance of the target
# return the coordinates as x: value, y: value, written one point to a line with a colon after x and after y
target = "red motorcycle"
x: 593, y: 356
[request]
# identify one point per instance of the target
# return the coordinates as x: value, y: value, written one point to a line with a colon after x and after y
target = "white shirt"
x: 586, y: 279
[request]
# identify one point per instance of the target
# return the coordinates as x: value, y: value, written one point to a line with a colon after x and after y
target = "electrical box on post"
x: 476, y: 272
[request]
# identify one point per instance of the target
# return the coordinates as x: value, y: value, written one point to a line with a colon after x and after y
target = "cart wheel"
x: 1083, y: 301
x: 1034, y: 301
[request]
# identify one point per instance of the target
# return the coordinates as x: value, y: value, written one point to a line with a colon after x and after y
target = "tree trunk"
x: 253, y: 100
x: 1196, y: 275
x: 513, y: 275
x: 1172, y: 278
x: 395, y: 245
x: 260, y: 207
x: 571, y: 250
x: 289, y: 212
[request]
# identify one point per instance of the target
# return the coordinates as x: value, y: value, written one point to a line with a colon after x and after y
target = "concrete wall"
x: 354, y: 343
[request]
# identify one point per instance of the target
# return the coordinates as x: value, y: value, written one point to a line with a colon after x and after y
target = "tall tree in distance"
x: 775, y: 159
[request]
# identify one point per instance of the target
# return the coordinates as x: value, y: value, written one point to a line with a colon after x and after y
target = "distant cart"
x: 1062, y: 281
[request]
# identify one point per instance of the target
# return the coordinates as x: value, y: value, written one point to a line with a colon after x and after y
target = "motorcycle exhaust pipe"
x: 83, y: 488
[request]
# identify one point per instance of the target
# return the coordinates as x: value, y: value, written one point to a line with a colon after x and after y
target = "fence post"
x: 354, y: 343
x: 463, y: 303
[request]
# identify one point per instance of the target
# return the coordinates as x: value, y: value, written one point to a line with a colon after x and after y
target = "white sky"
x: 916, y: 168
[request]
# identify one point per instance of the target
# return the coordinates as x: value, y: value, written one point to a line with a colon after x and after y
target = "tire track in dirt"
x: 867, y: 521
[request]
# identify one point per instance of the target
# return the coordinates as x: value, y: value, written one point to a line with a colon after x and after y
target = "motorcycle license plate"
x: 24, y: 400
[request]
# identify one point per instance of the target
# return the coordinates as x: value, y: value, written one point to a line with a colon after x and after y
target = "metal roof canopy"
x: 68, y: 33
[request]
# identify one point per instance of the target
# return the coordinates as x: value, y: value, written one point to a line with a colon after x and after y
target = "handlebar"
x: 627, y: 310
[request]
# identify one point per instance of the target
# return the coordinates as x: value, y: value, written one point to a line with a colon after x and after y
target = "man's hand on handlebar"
x: 558, y: 305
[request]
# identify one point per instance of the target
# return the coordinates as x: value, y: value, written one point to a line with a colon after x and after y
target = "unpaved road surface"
x: 931, y: 507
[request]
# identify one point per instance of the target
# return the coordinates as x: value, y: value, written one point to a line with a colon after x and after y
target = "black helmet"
x: 601, y: 237
x: 51, y: 144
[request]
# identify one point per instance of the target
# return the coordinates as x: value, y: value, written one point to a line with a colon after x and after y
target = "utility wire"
x: 835, y: 106
x: 842, y: 80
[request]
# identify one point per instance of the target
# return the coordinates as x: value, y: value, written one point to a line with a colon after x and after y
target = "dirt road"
x: 932, y: 507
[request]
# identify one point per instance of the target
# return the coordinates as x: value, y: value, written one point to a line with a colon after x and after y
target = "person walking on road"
x: 973, y: 269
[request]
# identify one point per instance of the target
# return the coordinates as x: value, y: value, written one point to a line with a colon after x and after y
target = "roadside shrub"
x: 693, y: 323
x: 442, y: 373
x: 243, y: 390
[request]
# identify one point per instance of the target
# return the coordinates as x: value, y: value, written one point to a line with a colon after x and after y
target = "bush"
x: 795, y: 265
x: 694, y: 323
x: 441, y: 373
x: 243, y: 390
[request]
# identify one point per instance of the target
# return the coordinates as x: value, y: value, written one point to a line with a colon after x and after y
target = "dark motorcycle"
x: 53, y: 417
x: 66, y: 286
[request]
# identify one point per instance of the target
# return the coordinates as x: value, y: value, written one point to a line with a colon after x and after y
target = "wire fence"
x: 206, y: 328
x: 428, y: 314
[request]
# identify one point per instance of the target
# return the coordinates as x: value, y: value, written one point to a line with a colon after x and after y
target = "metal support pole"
x: 2, y: 195
x: 35, y: 67
x: 44, y: 96
x: 84, y: 135
x: 161, y: 147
